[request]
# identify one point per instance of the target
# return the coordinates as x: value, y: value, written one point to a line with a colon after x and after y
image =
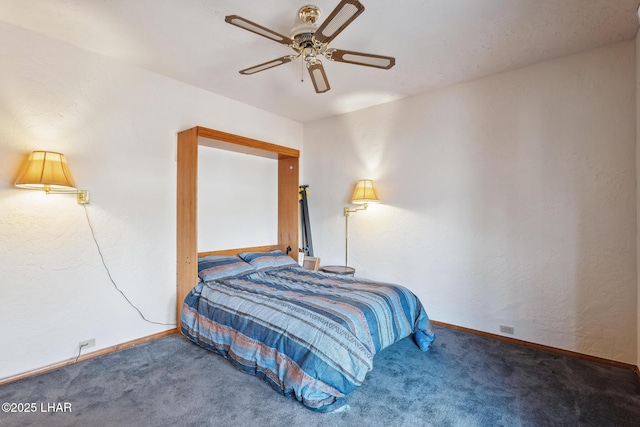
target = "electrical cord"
x: 93, y: 235
x: 80, y: 351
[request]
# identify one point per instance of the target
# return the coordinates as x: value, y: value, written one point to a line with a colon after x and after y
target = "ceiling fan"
x: 309, y: 41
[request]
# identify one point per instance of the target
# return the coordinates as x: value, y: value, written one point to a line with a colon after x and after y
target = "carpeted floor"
x: 465, y: 380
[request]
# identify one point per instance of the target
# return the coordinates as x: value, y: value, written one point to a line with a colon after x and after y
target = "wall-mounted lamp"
x: 363, y: 194
x: 49, y: 171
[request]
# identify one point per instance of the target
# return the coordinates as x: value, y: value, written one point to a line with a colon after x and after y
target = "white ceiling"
x: 435, y: 42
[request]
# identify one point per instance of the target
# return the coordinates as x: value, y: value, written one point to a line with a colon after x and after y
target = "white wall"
x: 117, y: 126
x: 508, y: 200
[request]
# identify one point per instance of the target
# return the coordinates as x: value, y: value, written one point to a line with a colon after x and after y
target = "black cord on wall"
x: 80, y: 352
x: 93, y: 235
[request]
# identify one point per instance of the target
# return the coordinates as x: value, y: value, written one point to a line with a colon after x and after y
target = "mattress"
x: 312, y: 336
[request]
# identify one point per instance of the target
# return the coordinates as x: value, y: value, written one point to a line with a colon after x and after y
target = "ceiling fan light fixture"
x: 309, y: 41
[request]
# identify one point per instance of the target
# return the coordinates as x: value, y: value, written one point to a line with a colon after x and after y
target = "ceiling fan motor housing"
x: 303, y: 33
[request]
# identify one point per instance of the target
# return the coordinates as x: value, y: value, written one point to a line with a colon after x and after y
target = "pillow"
x: 214, y: 267
x: 273, y: 259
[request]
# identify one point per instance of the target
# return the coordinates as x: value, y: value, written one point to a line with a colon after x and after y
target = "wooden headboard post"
x: 288, y: 205
x: 187, y: 197
x: 187, y: 215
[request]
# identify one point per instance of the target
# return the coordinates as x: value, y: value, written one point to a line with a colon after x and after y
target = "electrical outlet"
x: 87, y: 343
x: 506, y: 329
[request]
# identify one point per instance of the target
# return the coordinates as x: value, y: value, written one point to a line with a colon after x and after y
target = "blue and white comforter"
x: 310, y: 335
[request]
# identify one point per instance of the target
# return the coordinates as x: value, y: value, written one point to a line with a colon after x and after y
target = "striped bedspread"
x: 312, y: 336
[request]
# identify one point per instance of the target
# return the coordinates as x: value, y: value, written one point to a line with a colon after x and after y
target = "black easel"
x: 307, y: 244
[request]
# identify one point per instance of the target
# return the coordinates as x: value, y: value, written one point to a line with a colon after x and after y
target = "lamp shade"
x: 364, y: 192
x: 46, y: 170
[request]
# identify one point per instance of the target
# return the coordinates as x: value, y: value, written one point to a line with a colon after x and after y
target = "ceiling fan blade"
x: 318, y: 77
x: 266, y: 65
x: 245, y: 24
x: 358, y: 58
x: 342, y: 15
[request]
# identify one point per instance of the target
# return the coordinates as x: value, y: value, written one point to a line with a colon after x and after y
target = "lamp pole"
x: 347, y: 211
x: 346, y: 238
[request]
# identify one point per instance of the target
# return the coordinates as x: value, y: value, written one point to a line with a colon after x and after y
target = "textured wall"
x: 507, y: 200
x: 117, y: 126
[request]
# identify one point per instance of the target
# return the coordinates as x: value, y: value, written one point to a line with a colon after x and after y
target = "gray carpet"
x: 465, y: 380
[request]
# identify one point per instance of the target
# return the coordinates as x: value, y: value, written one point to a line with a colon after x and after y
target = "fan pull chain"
x: 302, y: 72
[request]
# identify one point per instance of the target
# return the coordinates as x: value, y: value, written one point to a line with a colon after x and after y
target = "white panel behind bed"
x: 237, y: 200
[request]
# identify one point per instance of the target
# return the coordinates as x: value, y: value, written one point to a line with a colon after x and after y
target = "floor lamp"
x: 363, y: 194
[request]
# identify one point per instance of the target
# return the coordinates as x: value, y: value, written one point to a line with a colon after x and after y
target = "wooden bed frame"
x: 187, y: 199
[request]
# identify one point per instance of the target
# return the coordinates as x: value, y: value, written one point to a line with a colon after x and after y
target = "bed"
x: 312, y: 336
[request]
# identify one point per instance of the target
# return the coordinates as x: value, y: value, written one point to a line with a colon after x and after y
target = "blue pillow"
x: 215, y: 267
x: 263, y: 260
